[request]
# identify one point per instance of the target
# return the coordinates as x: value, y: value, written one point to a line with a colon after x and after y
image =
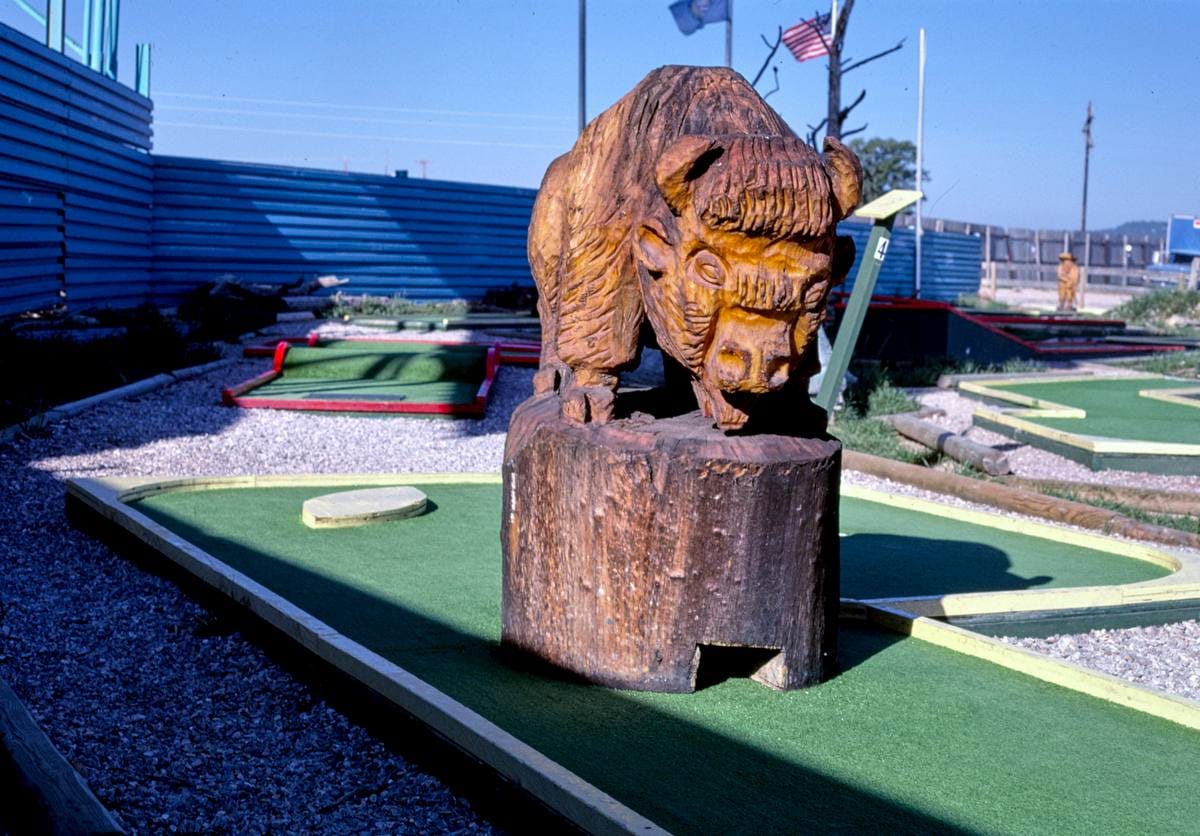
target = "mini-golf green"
x: 1115, y: 409
x: 909, y: 737
x: 353, y: 376
x: 1142, y: 422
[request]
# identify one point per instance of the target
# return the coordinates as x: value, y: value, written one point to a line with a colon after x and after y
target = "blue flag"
x: 690, y: 15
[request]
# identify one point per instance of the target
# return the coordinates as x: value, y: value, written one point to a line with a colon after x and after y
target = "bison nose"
x: 741, y: 369
x: 777, y: 370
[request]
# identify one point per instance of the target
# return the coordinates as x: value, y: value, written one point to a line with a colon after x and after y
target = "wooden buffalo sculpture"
x: 690, y: 204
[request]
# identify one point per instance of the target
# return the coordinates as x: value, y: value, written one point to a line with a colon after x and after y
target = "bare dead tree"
x: 772, y: 48
x: 836, y: 115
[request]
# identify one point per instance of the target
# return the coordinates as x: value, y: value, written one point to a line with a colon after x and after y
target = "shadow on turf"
x: 896, y: 565
x: 644, y: 746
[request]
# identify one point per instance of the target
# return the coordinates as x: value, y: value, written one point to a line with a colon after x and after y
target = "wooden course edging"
x: 1061, y: 672
x: 47, y: 794
x: 546, y: 780
x: 1095, y: 452
x: 138, y: 387
x: 1017, y: 500
x: 1184, y: 396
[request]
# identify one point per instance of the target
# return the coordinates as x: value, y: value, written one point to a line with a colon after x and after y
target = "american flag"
x: 809, y: 38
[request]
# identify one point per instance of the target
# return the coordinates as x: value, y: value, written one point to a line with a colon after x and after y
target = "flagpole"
x: 729, y: 34
x: 920, y: 159
x: 833, y: 23
x: 582, y: 64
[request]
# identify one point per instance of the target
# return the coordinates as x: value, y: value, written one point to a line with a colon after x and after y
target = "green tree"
x: 887, y: 164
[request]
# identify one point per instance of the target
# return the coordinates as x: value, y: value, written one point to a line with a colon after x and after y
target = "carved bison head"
x: 737, y: 259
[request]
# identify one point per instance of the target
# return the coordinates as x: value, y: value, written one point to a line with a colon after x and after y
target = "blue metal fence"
x: 89, y: 215
x: 69, y: 131
x: 31, y: 236
x: 949, y: 262
x: 427, y: 239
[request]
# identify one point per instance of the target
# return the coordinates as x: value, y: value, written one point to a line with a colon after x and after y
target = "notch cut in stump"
x: 632, y: 545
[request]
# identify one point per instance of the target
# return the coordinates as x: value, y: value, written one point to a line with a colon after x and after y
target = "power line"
x: 339, y: 106
x: 341, y: 118
x: 368, y: 137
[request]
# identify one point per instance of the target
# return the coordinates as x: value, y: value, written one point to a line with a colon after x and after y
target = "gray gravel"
x: 1166, y: 658
x: 1032, y: 463
x: 179, y: 724
x: 176, y: 723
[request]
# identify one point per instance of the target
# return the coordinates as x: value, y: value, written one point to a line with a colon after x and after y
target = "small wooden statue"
x: 1068, y: 281
x: 642, y: 543
x: 691, y: 204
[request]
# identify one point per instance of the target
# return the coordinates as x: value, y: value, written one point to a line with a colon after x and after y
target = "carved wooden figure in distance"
x: 1068, y: 281
x: 691, y: 204
x: 639, y: 542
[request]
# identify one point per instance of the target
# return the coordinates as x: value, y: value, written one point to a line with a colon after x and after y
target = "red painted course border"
x: 506, y: 352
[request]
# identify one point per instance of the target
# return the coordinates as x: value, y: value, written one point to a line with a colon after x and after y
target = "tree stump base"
x: 635, y: 549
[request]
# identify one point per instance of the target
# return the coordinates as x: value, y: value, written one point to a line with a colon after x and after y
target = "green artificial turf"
x: 908, y: 738
x: 1114, y: 409
x: 415, y: 372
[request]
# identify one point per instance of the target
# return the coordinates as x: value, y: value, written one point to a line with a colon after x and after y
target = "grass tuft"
x: 1174, y: 364
x: 345, y: 306
x: 1170, y: 311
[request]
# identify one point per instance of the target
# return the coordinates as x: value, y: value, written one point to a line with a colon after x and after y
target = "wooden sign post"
x: 883, y: 211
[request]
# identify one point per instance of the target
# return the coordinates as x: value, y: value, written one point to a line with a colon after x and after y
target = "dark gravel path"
x: 176, y: 723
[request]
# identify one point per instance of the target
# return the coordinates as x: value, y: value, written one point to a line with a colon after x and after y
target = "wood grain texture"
x: 631, y: 546
x: 42, y: 792
x: 690, y: 206
x: 987, y: 459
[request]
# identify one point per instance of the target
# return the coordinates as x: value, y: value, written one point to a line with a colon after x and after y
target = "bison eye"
x: 708, y: 270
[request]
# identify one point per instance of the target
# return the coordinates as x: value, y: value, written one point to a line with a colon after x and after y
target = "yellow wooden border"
x: 1035, y: 406
x: 1089, y: 443
x: 1040, y: 408
x: 1175, y: 396
x: 1183, y: 583
x: 1181, y: 710
x: 559, y: 788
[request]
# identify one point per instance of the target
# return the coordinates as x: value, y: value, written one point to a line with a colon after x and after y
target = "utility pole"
x: 1087, y: 243
x: 423, y: 164
x: 920, y: 233
x: 729, y: 34
x: 1087, y: 151
x: 582, y: 64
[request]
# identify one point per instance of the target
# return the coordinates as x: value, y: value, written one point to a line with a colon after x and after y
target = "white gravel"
x: 1032, y: 463
x: 179, y: 724
x: 1166, y: 657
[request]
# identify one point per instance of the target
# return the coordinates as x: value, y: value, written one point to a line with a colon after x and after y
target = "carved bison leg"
x: 588, y: 395
x: 546, y: 247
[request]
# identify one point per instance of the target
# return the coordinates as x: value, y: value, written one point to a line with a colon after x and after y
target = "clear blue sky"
x: 485, y: 90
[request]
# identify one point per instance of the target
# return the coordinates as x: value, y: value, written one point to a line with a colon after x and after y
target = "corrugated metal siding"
x: 949, y: 262
x: 31, y: 239
x: 427, y: 239
x: 69, y: 130
x: 1183, y: 236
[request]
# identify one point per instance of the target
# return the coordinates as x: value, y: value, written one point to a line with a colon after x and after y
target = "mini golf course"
x: 377, y: 376
x: 909, y: 737
x: 1149, y: 422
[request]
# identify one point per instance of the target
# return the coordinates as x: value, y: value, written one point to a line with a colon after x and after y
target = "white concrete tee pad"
x: 368, y: 505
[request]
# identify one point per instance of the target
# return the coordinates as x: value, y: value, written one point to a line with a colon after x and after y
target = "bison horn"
x: 845, y: 175
x: 683, y: 161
